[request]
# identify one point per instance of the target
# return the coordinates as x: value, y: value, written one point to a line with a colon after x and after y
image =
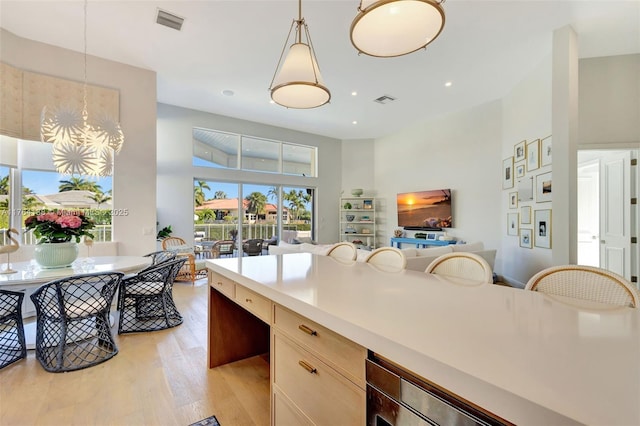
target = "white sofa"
x: 419, y: 259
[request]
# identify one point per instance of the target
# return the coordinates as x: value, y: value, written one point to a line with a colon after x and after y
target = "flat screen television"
x: 428, y: 210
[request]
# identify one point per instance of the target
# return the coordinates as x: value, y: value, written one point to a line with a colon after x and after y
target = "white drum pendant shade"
x: 299, y: 83
x: 388, y: 28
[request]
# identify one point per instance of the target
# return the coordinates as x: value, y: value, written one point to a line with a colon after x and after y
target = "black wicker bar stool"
x: 145, y: 300
x: 72, y: 329
x: 12, y: 344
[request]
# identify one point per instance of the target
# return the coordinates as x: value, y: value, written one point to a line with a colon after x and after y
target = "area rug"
x: 209, y: 421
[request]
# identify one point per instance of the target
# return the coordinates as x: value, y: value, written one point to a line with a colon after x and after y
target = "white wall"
x: 526, y: 112
x: 460, y: 152
x: 609, y: 100
x: 134, y: 187
x: 176, y: 172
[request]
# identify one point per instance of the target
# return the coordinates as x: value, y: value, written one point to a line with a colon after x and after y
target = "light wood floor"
x: 157, y: 378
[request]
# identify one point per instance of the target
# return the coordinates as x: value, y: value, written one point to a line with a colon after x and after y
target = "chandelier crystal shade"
x: 298, y: 83
x: 81, y: 145
x: 389, y: 28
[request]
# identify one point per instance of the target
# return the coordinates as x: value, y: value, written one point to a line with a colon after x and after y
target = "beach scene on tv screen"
x: 426, y: 209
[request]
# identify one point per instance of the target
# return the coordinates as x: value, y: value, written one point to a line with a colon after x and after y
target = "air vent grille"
x: 384, y: 99
x: 169, y: 20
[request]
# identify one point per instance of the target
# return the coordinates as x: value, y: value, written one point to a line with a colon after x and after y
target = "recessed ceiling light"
x: 354, y: 93
x: 228, y: 92
x: 354, y: 122
x: 448, y: 84
x: 272, y: 101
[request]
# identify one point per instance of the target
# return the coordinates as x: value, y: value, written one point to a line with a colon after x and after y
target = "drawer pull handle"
x: 248, y: 300
x: 308, y: 330
x: 219, y: 283
x: 308, y: 367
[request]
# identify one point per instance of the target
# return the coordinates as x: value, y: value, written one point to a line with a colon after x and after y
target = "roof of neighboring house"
x: 232, y: 204
x: 76, y: 199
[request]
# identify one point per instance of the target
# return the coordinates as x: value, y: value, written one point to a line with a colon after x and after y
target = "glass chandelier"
x: 82, y: 145
x: 298, y: 83
x: 388, y: 28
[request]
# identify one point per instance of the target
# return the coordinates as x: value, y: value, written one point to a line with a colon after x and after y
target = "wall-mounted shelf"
x: 363, y: 210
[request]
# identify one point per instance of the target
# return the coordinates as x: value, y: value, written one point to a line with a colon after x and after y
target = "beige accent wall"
x: 24, y: 95
x: 134, y: 181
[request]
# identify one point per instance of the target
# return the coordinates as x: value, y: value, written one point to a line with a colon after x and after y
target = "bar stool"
x: 12, y: 345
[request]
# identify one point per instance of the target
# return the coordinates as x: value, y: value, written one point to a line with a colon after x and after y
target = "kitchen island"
x: 525, y: 357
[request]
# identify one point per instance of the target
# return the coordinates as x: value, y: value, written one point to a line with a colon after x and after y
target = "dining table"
x: 29, y: 276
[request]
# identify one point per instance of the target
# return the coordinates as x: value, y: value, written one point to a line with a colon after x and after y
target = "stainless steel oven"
x: 396, y: 397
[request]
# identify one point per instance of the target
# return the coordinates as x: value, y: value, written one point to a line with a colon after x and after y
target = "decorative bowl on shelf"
x: 357, y: 192
x: 350, y: 217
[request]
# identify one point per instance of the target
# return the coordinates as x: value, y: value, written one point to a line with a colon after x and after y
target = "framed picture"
x: 545, y: 151
x: 525, y: 189
x: 367, y: 204
x: 431, y: 236
x: 533, y: 155
x: 542, y: 219
x: 543, y: 188
x: 519, y: 170
x: 519, y: 151
x: 525, y: 215
x: 513, y: 200
x: 507, y: 173
x: 512, y: 224
x: 525, y: 238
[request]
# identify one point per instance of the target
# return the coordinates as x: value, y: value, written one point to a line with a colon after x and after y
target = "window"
x: 44, y: 189
x: 231, y: 151
x: 4, y: 199
x: 217, y: 215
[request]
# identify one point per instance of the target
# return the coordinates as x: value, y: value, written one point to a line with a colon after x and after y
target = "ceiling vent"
x: 384, y: 99
x: 169, y: 20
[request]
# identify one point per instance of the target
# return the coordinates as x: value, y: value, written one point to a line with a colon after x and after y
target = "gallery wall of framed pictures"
x: 527, y: 175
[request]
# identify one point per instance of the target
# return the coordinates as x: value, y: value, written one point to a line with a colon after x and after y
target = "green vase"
x: 56, y: 255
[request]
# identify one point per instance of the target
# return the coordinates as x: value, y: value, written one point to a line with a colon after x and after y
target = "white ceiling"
x: 485, y: 49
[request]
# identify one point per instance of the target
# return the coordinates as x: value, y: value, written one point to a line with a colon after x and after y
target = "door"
x: 615, y: 212
x: 589, y: 213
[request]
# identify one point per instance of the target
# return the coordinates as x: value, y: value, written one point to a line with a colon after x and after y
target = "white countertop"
x: 29, y: 273
x: 526, y: 356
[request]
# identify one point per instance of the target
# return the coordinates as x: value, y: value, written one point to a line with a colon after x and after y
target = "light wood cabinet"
x: 317, y: 376
x: 320, y: 392
x: 258, y: 305
x: 341, y: 354
x: 223, y: 285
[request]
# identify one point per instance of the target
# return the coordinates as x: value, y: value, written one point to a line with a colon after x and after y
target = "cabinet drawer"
x: 254, y: 303
x: 324, y: 395
x: 223, y: 285
x: 337, y: 351
x: 285, y: 414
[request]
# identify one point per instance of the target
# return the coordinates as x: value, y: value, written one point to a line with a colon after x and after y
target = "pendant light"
x: 82, y: 145
x: 389, y: 28
x: 297, y: 83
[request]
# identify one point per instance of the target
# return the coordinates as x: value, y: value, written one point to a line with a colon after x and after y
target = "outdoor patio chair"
x: 252, y: 247
x: 222, y: 248
x: 146, y: 301
x: 12, y: 344
x: 72, y: 325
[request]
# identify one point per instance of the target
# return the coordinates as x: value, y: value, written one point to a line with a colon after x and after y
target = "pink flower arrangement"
x: 59, y: 226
